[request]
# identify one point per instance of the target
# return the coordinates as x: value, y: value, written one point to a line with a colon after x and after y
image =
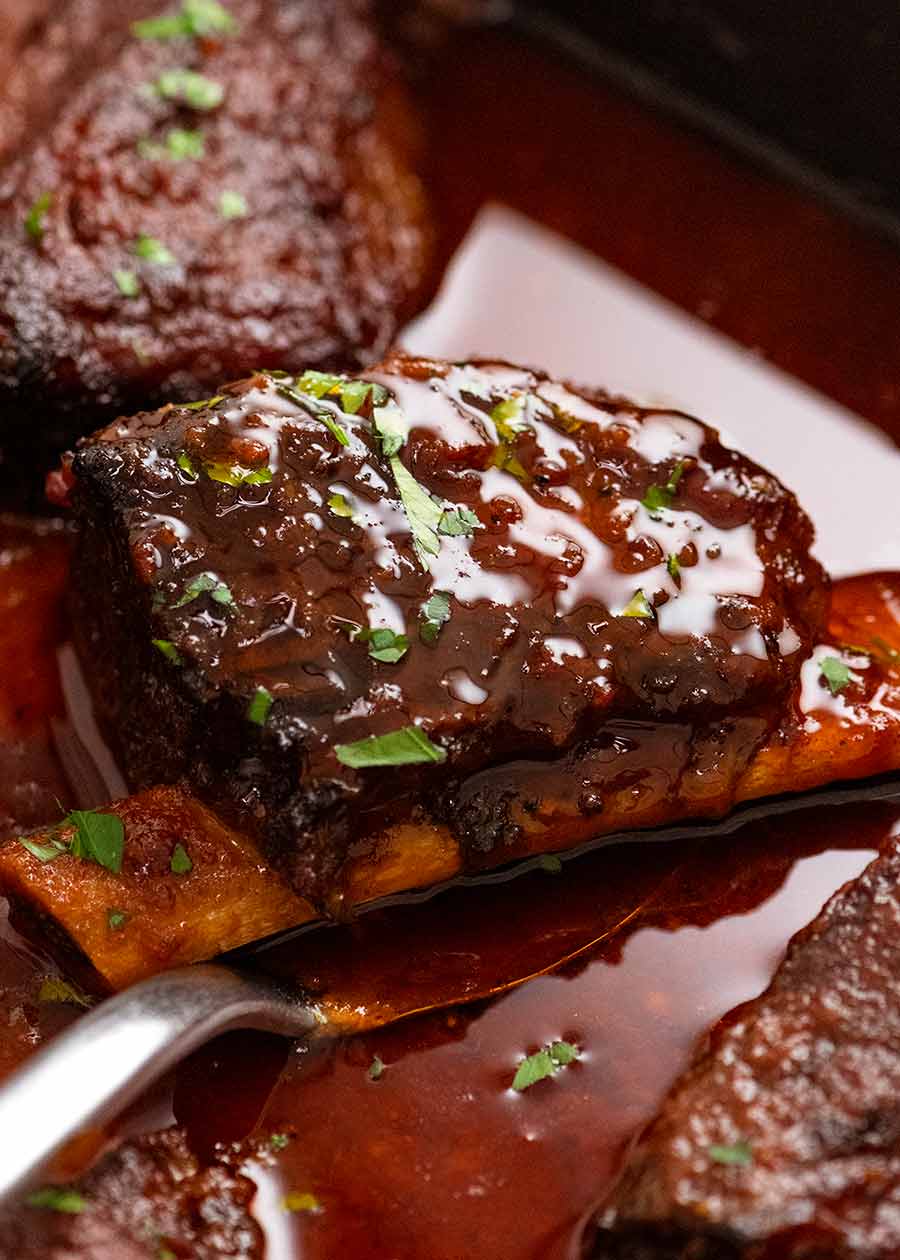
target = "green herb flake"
x: 202, y: 404
x: 551, y: 864
x: 456, y: 522
x: 836, y: 674
x: 659, y: 497
x: 56, y: 989
x: 206, y: 584
x: 673, y: 568
x: 233, y: 205
x: 35, y: 219
x: 169, y: 650
x: 186, y: 464
x: 168, y: 26
x: 543, y: 1063
x: 179, y: 145
x: 738, y: 1155
x: 340, y: 506
x: 405, y: 747
x: 189, y: 88
x: 376, y: 1069
x: 507, y: 417
x: 236, y: 474
x: 44, y: 852
x: 637, y: 606
x: 165, y: 1254
x: 301, y: 1201
x: 391, y: 427
x: 354, y: 394
x: 58, y: 1199
x: 318, y: 384
x: 435, y: 613
x: 98, y: 838
x: 153, y: 251
x: 422, y: 511
x: 180, y: 863
x: 278, y: 1141
x: 127, y: 282
x: 321, y: 413
x: 385, y: 645
x: 116, y: 919
x: 259, y: 706
x: 208, y: 17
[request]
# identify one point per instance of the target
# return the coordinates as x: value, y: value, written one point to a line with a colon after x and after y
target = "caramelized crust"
x: 626, y: 608
x: 783, y: 1139
x: 315, y: 257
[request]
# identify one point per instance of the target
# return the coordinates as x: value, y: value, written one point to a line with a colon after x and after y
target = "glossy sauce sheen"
x: 437, y: 1158
x: 599, y: 563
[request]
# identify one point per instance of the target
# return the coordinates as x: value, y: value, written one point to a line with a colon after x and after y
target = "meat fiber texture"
x: 783, y: 1139
x: 188, y: 208
x: 589, y: 615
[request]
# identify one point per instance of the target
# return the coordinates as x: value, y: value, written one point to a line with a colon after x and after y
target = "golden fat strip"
x: 231, y: 896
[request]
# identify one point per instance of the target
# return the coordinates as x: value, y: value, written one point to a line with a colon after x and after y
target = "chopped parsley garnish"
x: 376, y: 1069
x: 203, y: 584
x: 58, y: 1199
x: 169, y: 650
x: 188, y: 88
x: 179, y: 144
x: 659, y: 497
x: 180, y: 863
x: 435, y: 612
x: 543, y: 1063
x: 116, y: 919
x: 637, y: 606
x: 392, y: 428
x: 507, y: 417
x: 318, y: 384
x: 422, y: 512
x: 197, y: 17
x: 236, y: 474
x: 36, y: 217
x: 278, y: 1141
x: 321, y: 413
x: 56, y: 989
x: 551, y: 864
x: 340, y: 506
x: 739, y: 1154
x: 836, y: 674
x: 300, y: 1201
x: 406, y: 747
x: 385, y: 645
x: 48, y: 852
x: 201, y: 405
x: 458, y: 521
x: 354, y: 394
x: 186, y: 464
x: 127, y: 282
x: 233, y: 205
x: 259, y: 706
x: 98, y: 838
x: 673, y: 567
x: 153, y: 251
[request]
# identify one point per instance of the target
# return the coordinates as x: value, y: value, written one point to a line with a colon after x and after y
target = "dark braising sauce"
x: 438, y: 1158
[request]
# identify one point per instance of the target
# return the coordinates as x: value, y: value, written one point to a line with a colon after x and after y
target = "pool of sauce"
x: 438, y: 1157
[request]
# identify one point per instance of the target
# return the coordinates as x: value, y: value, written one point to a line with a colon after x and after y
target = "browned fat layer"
x: 591, y: 561
x: 157, y: 238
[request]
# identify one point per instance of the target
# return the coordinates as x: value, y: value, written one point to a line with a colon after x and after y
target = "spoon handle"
x: 90, y: 1072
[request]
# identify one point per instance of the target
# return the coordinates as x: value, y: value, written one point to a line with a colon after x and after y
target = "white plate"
x: 519, y: 292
